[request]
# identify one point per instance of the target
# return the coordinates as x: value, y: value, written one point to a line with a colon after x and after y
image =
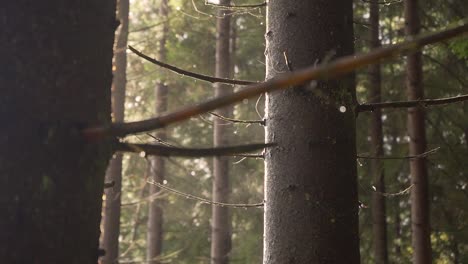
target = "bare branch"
x: 198, y: 76
x: 389, y: 2
x: 232, y: 120
x: 237, y: 6
x: 324, y: 71
x: 158, y: 150
x: 413, y: 103
x: 418, y: 156
x: 203, y: 200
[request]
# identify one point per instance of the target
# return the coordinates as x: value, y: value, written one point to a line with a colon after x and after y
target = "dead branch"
x: 198, y: 76
x: 237, y: 6
x: 413, y: 103
x: 203, y: 200
x: 324, y: 71
x: 158, y: 150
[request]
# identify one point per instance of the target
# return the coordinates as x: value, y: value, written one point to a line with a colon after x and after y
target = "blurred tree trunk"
x: 158, y: 167
x: 379, y: 223
x: 221, y: 222
x: 420, y: 226
x: 111, y: 215
x: 311, y: 211
x: 55, y: 77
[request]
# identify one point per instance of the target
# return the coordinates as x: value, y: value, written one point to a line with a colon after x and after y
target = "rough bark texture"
x: 158, y: 170
x: 221, y: 222
x: 111, y: 215
x: 55, y: 77
x: 379, y: 223
x: 420, y: 226
x: 310, y: 186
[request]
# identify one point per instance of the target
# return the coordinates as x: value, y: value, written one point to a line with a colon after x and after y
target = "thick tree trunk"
x: 420, y: 226
x: 379, y: 223
x: 221, y: 222
x: 111, y: 215
x: 158, y: 167
x: 55, y: 78
x: 311, y: 210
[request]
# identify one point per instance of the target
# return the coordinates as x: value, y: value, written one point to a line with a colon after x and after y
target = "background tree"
x: 420, y: 227
x: 157, y: 164
x: 111, y: 211
x: 221, y: 222
x: 379, y: 222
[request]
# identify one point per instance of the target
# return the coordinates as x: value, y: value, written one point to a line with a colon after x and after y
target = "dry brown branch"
x: 158, y: 150
x: 323, y: 71
x: 198, y: 76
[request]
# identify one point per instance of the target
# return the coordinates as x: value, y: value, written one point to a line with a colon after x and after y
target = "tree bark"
x: 420, y: 226
x: 221, y: 222
x: 311, y: 210
x: 111, y: 215
x: 55, y: 77
x: 158, y: 166
x: 379, y: 223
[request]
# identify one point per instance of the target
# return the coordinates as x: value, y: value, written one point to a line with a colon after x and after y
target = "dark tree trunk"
x: 158, y: 167
x: 379, y: 223
x: 420, y: 226
x: 311, y: 211
x: 111, y: 216
x: 55, y: 79
x: 221, y: 222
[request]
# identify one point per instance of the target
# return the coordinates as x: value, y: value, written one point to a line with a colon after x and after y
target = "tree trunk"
x: 111, y: 215
x: 158, y: 167
x: 221, y: 222
x: 420, y: 226
x: 311, y: 210
x: 55, y: 77
x: 379, y: 223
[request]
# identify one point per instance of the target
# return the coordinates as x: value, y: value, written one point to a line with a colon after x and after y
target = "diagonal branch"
x: 247, y: 6
x: 198, y: 76
x: 232, y: 120
x: 203, y: 200
x: 418, y: 156
x: 333, y: 69
x: 158, y: 150
x: 413, y: 103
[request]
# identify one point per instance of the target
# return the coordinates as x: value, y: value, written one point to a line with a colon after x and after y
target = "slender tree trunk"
x: 379, y: 223
x: 55, y: 78
x: 221, y: 222
x: 158, y: 167
x: 111, y: 215
x: 311, y: 210
x: 417, y: 132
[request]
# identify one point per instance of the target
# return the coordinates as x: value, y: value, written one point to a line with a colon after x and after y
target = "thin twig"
x: 198, y: 76
x: 394, y: 194
x: 384, y: 2
x: 232, y: 120
x: 237, y: 6
x: 255, y: 156
x: 203, y: 200
x: 157, y: 150
x: 335, y: 68
x: 418, y: 156
x: 413, y: 103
